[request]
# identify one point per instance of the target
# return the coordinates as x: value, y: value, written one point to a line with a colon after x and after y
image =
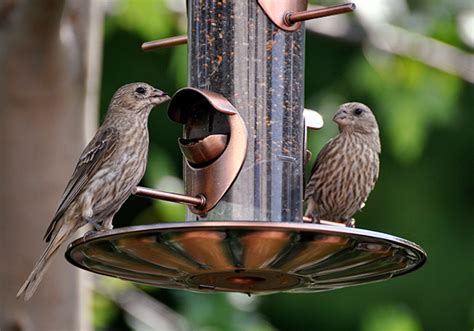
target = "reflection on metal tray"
x: 248, y: 257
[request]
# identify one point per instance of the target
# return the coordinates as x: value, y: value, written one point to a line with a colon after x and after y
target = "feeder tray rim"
x: 249, y: 225
x: 220, y: 277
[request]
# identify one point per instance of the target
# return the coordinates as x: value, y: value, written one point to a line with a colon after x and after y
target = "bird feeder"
x: 243, y: 145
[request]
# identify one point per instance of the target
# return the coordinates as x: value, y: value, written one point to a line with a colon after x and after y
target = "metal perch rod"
x: 292, y: 18
x: 198, y: 201
x: 167, y: 42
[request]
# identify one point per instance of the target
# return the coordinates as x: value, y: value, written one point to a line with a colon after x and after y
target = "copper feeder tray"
x: 247, y: 257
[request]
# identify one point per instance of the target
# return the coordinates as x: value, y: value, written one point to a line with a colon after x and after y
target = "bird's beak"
x: 157, y: 97
x: 341, y: 118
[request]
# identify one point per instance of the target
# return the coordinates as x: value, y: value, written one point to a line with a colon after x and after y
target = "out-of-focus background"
x: 412, y: 62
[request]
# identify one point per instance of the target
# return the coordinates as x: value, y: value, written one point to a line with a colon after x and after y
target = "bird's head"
x: 136, y: 97
x: 357, y: 117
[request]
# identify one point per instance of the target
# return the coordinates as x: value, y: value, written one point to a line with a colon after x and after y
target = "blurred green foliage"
x: 390, y: 318
x: 104, y: 312
x: 425, y: 192
x: 230, y: 312
x: 134, y: 16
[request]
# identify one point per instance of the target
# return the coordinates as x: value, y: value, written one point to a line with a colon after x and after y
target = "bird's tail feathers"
x: 35, y: 277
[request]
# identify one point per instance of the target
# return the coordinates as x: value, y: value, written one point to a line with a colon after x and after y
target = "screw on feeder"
x: 291, y: 18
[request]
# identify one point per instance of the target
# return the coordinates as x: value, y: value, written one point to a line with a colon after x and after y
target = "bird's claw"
x: 96, y: 225
x: 91, y: 232
x: 88, y: 234
x: 350, y: 223
x: 312, y: 219
x: 307, y: 157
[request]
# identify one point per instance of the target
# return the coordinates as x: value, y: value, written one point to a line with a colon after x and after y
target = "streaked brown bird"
x: 108, y: 169
x: 347, y: 167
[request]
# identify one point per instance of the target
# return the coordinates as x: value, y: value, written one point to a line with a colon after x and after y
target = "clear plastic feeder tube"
x: 235, y: 50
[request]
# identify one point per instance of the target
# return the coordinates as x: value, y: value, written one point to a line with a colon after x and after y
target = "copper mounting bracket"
x: 276, y: 11
x: 214, y: 144
x: 288, y: 14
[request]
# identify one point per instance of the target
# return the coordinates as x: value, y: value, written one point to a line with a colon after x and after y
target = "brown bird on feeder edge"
x: 108, y: 170
x: 347, y: 167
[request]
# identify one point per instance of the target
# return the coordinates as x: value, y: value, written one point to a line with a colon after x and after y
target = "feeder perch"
x: 244, y: 151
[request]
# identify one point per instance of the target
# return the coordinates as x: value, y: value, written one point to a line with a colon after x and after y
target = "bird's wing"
x: 96, y: 152
x: 321, y: 156
x: 374, y: 171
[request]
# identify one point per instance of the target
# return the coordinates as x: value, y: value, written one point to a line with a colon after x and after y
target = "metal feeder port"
x: 243, y: 145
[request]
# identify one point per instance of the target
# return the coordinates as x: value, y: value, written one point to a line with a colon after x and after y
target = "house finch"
x: 109, y: 168
x: 347, y: 167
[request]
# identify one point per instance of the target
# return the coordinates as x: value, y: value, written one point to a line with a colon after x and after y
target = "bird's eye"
x: 140, y: 90
x: 358, y: 111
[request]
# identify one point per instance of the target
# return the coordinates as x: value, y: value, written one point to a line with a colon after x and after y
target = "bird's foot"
x: 307, y: 157
x: 97, y: 228
x: 96, y: 225
x: 350, y: 223
x: 107, y: 226
x: 88, y: 234
x: 311, y: 219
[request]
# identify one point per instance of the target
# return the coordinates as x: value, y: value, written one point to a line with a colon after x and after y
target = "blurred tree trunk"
x: 50, y: 55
